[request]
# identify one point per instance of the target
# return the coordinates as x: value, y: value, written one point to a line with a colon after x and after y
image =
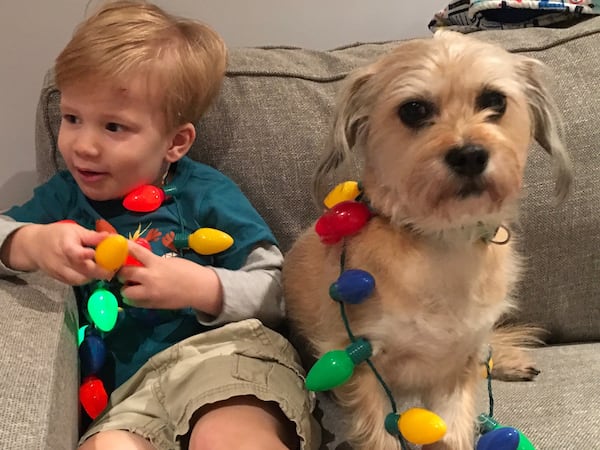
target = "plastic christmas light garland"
x: 346, y: 215
x: 102, y: 307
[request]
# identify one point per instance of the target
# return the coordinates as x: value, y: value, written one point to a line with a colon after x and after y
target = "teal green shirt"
x: 204, y: 198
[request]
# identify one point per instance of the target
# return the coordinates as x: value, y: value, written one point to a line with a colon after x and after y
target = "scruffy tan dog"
x: 444, y: 126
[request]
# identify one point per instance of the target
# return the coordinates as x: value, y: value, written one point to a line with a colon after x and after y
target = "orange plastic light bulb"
x: 112, y: 252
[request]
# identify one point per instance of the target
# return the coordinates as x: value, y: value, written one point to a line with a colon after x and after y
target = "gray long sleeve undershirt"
x: 253, y: 291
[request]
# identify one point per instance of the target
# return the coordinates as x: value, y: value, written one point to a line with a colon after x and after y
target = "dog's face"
x: 444, y: 125
x: 448, y: 133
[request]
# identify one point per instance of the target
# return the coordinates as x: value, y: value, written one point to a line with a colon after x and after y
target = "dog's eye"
x: 494, y: 100
x: 416, y: 113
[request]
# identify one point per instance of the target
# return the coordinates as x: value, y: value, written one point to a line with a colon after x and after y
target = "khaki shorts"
x: 242, y: 358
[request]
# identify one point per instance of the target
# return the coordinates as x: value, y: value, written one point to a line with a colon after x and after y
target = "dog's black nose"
x: 469, y: 161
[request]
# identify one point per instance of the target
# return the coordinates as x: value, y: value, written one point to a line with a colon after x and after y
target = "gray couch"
x: 266, y: 131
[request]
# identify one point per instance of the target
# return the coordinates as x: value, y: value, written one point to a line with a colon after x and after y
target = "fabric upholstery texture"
x: 266, y: 131
x: 38, y: 365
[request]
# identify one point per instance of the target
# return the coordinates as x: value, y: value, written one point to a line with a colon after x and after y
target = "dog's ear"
x: 350, y: 124
x: 547, y: 123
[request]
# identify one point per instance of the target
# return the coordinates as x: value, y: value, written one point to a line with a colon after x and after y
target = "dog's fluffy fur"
x: 440, y: 287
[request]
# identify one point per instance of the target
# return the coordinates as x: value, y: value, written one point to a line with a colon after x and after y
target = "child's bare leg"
x: 116, y: 440
x: 243, y: 423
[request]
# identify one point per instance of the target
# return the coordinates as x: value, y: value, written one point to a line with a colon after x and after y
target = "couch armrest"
x: 38, y: 366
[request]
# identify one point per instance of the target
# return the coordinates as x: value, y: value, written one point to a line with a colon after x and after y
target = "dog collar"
x: 499, y: 235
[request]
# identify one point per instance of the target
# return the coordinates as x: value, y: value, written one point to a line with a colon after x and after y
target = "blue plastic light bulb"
x: 353, y: 286
x: 92, y: 354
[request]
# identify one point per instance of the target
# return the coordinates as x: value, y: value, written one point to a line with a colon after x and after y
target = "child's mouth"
x: 91, y: 176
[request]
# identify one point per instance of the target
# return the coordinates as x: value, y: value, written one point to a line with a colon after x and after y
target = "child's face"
x: 112, y: 138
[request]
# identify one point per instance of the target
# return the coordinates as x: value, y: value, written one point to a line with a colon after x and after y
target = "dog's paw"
x: 511, y: 353
x: 515, y: 373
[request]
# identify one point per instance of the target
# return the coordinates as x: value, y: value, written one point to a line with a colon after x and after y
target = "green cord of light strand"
x: 378, y: 376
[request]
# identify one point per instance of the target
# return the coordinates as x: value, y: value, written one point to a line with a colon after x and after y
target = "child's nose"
x: 85, y: 143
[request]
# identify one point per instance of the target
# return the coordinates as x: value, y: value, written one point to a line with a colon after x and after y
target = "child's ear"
x: 182, y: 140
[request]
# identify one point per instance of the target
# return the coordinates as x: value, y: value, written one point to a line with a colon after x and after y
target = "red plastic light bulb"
x: 131, y: 261
x: 93, y: 396
x: 344, y: 219
x: 147, y: 198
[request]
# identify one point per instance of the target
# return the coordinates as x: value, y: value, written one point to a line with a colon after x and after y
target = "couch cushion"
x: 38, y: 374
x: 269, y: 125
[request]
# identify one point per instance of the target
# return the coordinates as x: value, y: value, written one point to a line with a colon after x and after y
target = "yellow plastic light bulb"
x: 348, y: 190
x: 484, y: 372
x: 112, y: 252
x: 208, y: 241
x: 421, y: 426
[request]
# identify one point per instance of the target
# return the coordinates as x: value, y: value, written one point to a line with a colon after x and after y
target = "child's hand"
x: 170, y: 283
x: 62, y: 250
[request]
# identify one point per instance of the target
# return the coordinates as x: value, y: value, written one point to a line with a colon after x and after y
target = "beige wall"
x: 32, y: 32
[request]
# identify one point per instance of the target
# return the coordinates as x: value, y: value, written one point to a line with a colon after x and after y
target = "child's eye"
x: 70, y: 118
x: 114, y: 127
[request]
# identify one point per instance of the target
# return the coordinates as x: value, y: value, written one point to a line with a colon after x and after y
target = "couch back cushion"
x: 270, y: 123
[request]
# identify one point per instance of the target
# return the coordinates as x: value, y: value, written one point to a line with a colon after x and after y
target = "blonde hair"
x: 184, y: 59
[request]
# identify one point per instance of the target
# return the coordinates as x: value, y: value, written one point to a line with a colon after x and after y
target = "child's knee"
x: 120, y: 439
x: 228, y: 424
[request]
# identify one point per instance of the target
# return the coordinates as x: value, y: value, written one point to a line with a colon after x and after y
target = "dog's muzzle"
x: 467, y: 161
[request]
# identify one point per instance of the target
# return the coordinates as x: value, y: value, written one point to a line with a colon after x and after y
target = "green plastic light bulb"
x: 524, y: 443
x: 337, y: 366
x: 103, y: 309
x: 486, y: 424
x: 81, y: 334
